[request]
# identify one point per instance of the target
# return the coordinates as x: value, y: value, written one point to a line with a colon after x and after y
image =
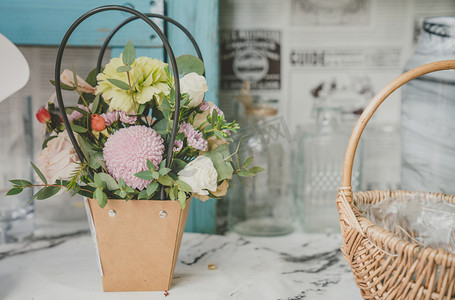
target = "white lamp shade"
x: 14, y: 69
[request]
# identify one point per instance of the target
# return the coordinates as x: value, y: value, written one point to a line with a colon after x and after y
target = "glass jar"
x: 317, y: 162
x: 16, y: 150
x: 261, y: 206
x: 427, y: 114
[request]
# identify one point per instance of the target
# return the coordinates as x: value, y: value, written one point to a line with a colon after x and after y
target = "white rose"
x: 59, y: 159
x: 195, y: 86
x: 201, y: 175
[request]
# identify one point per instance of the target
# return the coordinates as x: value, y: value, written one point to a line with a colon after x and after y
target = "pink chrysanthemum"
x: 204, y: 106
x: 194, y: 137
x: 126, y: 153
x: 110, y: 117
x: 178, y: 145
x: 125, y: 118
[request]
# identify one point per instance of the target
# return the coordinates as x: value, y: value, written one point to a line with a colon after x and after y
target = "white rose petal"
x: 201, y: 175
x: 58, y: 159
x: 195, y: 86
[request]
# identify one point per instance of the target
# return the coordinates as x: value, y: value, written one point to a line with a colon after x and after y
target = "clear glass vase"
x: 261, y: 205
x: 317, y: 162
x: 427, y: 114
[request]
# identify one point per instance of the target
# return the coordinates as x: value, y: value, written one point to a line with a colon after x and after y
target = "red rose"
x: 98, y: 122
x: 43, y: 115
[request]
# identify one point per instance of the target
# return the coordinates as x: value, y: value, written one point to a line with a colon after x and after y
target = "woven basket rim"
x: 392, y: 242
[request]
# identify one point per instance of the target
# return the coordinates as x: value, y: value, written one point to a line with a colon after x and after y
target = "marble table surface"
x: 60, y: 263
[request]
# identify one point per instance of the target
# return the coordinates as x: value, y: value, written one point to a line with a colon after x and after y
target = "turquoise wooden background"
x: 200, y: 17
x: 44, y: 22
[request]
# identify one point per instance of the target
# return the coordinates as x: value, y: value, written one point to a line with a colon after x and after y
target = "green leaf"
x: 223, y: 150
x: 92, y: 184
x: 21, y: 182
x: 178, y: 164
x: 165, y: 106
x: 47, y: 141
x: 152, y: 187
x: 183, y: 186
x: 219, y: 135
x: 123, y: 194
x: 256, y: 170
x: 162, y: 164
x: 129, y: 54
x: 96, y: 103
x: 162, y: 126
x: 63, y: 86
x: 223, y: 168
x: 74, y: 77
x: 245, y: 173
x: 122, y: 69
x: 94, y: 158
x: 85, y: 193
x: 172, y: 194
x: 146, y: 175
x: 214, y: 118
x: 120, y: 84
x: 129, y: 190
x: 111, y: 184
x: 150, y: 165
x: 78, y: 129
x: 91, y: 77
x: 14, y: 191
x: 41, y: 176
x: 182, y: 199
x: 163, y: 171
x: 166, y: 113
x: 70, y: 109
x: 155, y: 175
x: 47, y: 192
x: 142, y: 195
x: 101, y: 197
x: 121, y: 183
x: 98, y: 181
x: 75, y: 191
x: 188, y: 64
x: 165, y: 180
x: 248, y: 162
x: 141, y: 108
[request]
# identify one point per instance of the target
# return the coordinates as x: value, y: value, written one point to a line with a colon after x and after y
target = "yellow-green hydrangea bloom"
x: 151, y: 84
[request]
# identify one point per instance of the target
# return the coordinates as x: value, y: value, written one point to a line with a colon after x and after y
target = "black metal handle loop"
x: 167, y: 47
x: 151, y: 15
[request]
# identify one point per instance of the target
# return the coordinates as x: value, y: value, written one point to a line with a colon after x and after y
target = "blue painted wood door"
x: 201, y: 19
x: 44, y: 22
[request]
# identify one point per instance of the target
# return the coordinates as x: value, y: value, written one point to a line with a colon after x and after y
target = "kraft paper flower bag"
x: 139, y: 144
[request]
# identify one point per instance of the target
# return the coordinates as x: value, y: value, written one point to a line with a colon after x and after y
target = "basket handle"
x: 167, y: 47
x: 373, y: 106
x: 151, y: 15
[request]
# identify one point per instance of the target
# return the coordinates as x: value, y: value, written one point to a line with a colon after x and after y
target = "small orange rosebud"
x: 43, y: 115
x: 98, y: 123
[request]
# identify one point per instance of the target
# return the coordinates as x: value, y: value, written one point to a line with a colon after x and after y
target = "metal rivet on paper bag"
x: 112, y: 213
x: 163, y: 214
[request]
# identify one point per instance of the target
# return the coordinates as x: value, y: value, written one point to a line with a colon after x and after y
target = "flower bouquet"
x: 138, y: 146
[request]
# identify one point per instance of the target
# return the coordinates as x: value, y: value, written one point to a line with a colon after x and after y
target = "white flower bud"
x: 195, y: 86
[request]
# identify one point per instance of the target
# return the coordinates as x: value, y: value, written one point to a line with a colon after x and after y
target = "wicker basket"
x: 385, y: 265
